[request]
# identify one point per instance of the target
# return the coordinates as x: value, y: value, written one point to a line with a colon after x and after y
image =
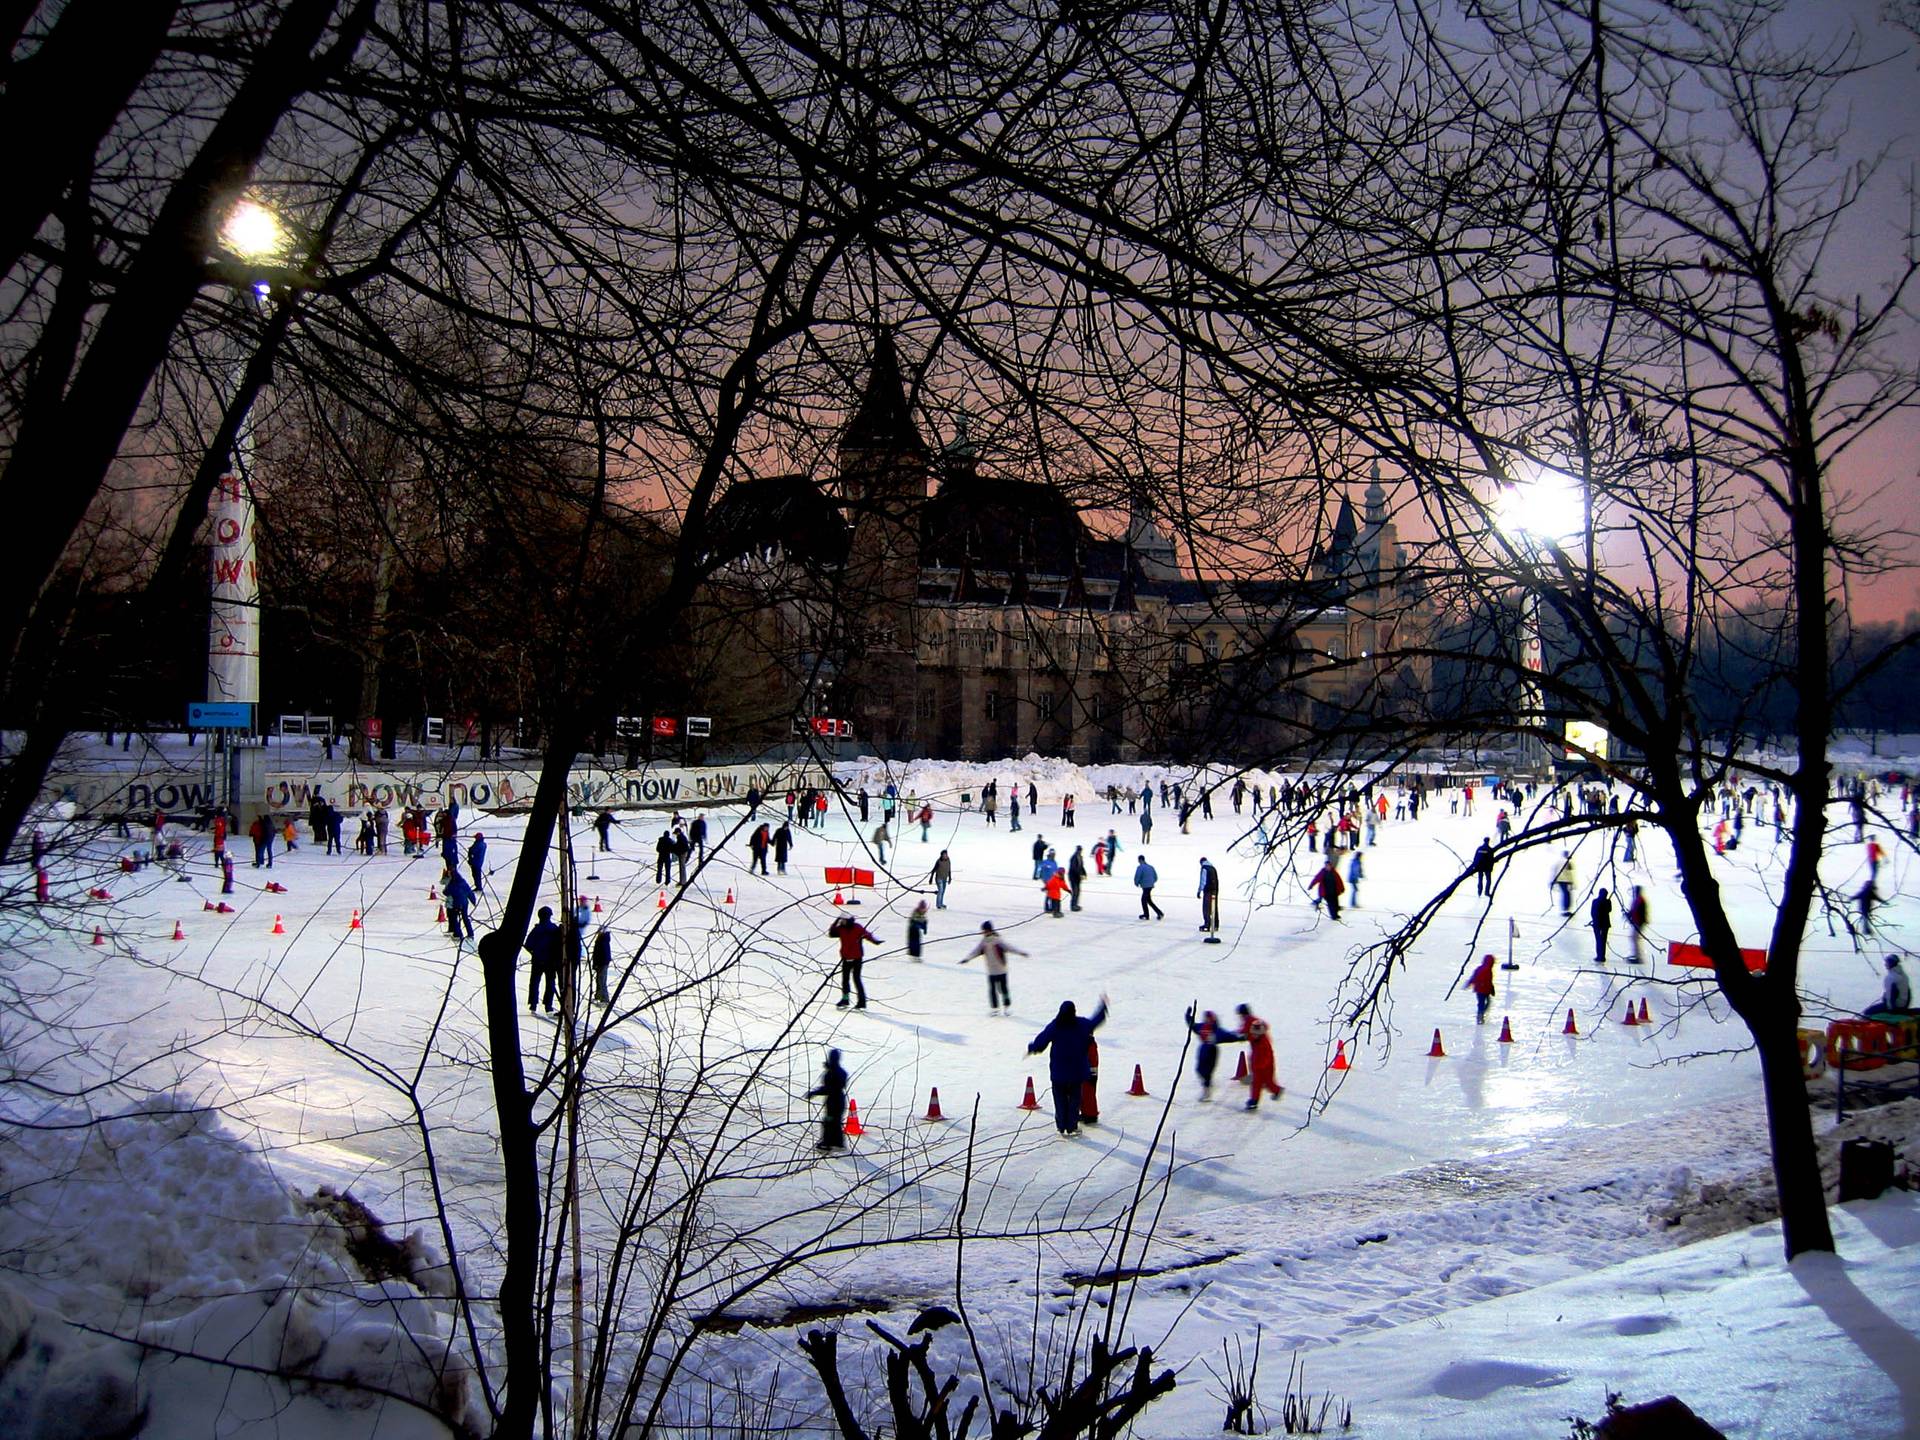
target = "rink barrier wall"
x: 479, y: 787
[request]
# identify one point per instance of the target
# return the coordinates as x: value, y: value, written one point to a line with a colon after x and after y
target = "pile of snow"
x: 162, y: 1282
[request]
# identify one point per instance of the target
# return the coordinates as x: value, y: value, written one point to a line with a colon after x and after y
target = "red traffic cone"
x: 440, y: 915
x: 1030, y: 1103
x: 432, y: 894
x: 729, y: 895
x: 354, y: 924
x: 1645, y: 1018
x: 223, y: 908
x: 274, y: 887
x: 98, y: 938
x: 1139, y: 1086
x: 596, y: 906
x: 1436, y: 1051
x: 178, y: 933
x: 206, y: 906
x: 838, y: 898
x: 1506, y: 1031
x: 1340, y: 1061
x: 278, y: 928
x: 853, y: 1125
x: 1631, y: 1017
x: 933, y: 1106
x: 663, y: 901
x: 1240, y: 1070
x: 1571, y: 1028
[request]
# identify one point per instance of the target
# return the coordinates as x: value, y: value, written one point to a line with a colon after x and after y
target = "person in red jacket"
x: 1090, y: 1087
x: 1056, y: 891
x: 1481, y: 983
x: 1260, y: 1068
x: 853, y: 938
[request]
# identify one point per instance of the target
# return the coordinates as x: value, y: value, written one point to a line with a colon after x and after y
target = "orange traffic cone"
x: 223, y: 908
x: 1240, y: 1070
x: 432, y: 894
x: 1436, y: 1051
x: 596, y: 905
x: 440, y: 915
x: 1571, y: 1028
x: 1506, y: 1031
x: 1030, y: 1103
x: 838, y: 898
x: 1139, y: 1086
x: 206, y: 906
x: 354, y: 924
x: 278, y: 928
x: 853, y: 1125
x: 1645, y: 1018
x: 1340, y: 1056
x: 98, y: 938
x: 178, y: 933
x: 1631, y: 1017
x: 933, y: 1106
x: 729, y: 895
x: 663, y: 901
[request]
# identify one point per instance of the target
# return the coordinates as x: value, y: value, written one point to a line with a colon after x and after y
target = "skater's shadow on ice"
x: 913, y: 1027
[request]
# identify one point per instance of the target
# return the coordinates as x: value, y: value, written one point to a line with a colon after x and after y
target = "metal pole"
x: 569, y: 992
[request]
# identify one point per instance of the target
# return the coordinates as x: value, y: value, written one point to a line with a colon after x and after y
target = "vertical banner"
x: 233, y: 634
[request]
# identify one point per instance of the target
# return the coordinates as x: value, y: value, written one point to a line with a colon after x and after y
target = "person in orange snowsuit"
x: 1481, y: 983
x: 1260, y: 1068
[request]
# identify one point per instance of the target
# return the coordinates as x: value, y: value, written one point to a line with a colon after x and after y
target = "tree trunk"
x: 1804, y: 1223
x: 526, y: 1380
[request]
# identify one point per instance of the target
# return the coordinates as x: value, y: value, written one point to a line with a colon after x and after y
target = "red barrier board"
x: 863, y: 877
x: 1680, y: 953
x: 840, y: 875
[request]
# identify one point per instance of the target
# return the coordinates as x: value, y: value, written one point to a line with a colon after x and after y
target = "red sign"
x: 665, y: 725
x: 370, y: 727
x: 1679, y: 953
x: 822, y: 725
x: 863, y: 877
x: 839, y: 875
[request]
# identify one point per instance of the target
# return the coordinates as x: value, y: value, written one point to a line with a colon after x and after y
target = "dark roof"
x: 1001, y: 524
x: 787, y: 512
x: 883, y: 422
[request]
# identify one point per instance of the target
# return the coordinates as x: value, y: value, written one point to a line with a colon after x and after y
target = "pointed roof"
x: 883, y: 422
x: 1344, y: 529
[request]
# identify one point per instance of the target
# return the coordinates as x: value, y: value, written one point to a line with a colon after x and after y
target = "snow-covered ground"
x: 1478, y: 1244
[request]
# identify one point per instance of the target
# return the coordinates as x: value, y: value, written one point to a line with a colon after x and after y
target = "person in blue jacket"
x: 1146, y: 877
x: 1208, y: 1032
x: 1066, y: 1036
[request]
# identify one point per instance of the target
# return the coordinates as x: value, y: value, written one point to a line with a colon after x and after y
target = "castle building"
x: 952, y: 613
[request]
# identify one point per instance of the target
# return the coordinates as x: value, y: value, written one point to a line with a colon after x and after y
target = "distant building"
x: 951, y: 613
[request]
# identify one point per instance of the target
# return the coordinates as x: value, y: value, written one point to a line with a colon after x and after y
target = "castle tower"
x: 884, y: 470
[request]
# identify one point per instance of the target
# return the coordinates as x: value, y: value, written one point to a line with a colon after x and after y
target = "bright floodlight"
x: 253, y: 232
x: 1549, y: 508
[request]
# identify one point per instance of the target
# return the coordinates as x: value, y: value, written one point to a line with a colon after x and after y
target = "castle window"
x: 1046, y: 700
x: 925, y: 705
x: 993, y: 704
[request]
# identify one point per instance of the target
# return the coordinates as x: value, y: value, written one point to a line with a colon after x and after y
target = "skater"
x: 1066, y: 812
x: 1090, y: 1087
x: 1146, y: 827
x: 1013, y: 810
x: 382, y: 822
x: 782, y: 847
x: 1356, y: 871
x: 990, y: 804
x: 1067, y: 1036
x: 1896, y: 993
x: 757, y: 844
x: 1867, y: 897
x: 1600, y: 917
x: 663, y: 858
x: 1482, y: 867
x: 543, y: 944
x: 1260, y: 1066
x: 226, y: 873
x: 602, y: 963
x: 1564, y: 881
x: 942, y: 876
x: 879, y: 838
x: 832, y: 1093
x: 1113, y: 852
x: 1632, y: 831
x: 697, y: 837
x: 459, y: 907
x: 1481, y: 983
x: 1209, y: 893
x: 1206, y: 1030
x: 1636, y: 921
x: 477, y: 862
x: 916, y: 929
x: 1039, y: 858
x: 1055, y: 888
x: 925, y: 818
x: 682, y: 848
x: 261, y: 833
x: 1327, y: 884
x: 1076, y: 874
x: 853, y: 938
x: 1146, y: 877
x: 994, y: 950
x: 1875, y: 854
x: 865, y: 802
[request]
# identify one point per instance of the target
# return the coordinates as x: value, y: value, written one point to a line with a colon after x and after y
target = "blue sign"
x: 221, y: 715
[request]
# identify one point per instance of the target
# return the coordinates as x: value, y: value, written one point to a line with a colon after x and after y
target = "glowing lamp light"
x: 1549, y: 509
x: 253, y: 232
